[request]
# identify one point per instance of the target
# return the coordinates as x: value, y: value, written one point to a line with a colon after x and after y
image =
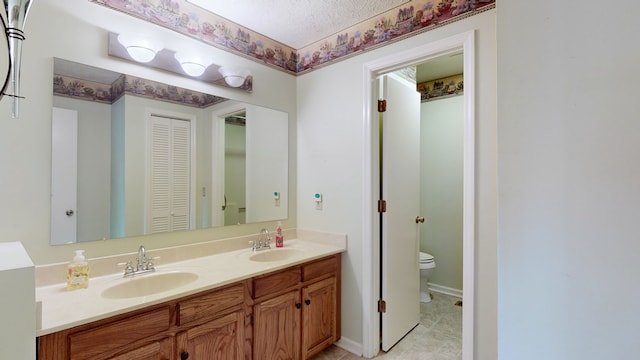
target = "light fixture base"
x: 195, y: 66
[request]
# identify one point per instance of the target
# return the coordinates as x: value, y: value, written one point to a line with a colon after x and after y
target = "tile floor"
x: 437, y: 337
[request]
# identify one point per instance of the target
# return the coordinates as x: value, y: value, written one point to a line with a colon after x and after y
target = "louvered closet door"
x: 169, y: 175
x: 180, y: 175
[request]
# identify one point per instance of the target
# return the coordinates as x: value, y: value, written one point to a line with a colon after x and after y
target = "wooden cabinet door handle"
x: 298, y: 305
x: 308, y: 302
x: 184, y: 355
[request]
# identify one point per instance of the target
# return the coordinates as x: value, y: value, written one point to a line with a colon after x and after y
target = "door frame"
x: 217, y: 191
x: 371, y: 174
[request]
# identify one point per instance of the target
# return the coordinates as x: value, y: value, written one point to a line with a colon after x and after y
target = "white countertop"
x: 63, y: 309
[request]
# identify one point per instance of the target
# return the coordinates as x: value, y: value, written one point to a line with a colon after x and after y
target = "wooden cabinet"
x: 220, y: 339
x: 321, y: 305
x: 288, y: 314
x: 83, y: 345
x: 276, y: 327
x: 318, y: 316
x: 297, y: 311
x: 157, y: 350
x: 211, y: 323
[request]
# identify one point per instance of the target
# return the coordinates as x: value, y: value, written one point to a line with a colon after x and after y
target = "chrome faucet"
x: 142, y: 257
x: 143, y: 264
x: 263, y: 241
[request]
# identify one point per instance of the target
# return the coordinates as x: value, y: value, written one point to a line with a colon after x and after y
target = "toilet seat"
x: 425, y: 258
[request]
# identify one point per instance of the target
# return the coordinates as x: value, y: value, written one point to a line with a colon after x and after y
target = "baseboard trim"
x: 349, y: 345
x: 445, y: 290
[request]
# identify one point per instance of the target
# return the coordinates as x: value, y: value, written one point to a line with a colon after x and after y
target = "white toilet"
x: 427, y: 264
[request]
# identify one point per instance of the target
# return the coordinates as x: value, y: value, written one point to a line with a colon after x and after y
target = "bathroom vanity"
x: 286, y: 305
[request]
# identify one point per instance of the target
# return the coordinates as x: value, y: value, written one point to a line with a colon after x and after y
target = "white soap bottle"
x: 78, y: 272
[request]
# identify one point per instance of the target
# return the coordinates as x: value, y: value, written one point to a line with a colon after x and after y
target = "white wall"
x: 569, y: 139
x: 266, y: 147
x: 77, y: 30
x: 330, y: 157
x: 441, y: 131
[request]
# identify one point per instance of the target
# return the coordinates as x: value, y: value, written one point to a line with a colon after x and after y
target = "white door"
x: 401, y: 189
x: 64, y: 176
x: 169, y: 182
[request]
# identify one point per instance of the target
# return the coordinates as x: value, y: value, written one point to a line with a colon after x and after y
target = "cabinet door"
x: 276, y: 328
x: 220, y: 339
x: 159, y: 350
x: 319, y: 303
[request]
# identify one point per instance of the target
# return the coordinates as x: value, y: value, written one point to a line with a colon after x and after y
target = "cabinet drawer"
x: 319, y: 268
x: 277, y: 282
x: 114, y: 336
x: 209, y: 305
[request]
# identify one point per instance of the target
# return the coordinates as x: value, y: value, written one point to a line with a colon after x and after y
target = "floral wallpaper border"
x: 439, y: 88
x: 407, y: 20
x: 127, y: 84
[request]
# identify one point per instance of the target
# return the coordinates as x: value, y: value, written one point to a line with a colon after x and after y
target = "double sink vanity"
x: 213, y: 300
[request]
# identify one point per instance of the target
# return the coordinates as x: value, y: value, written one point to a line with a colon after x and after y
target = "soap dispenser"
x: 78, y: 272
x: 279, y: 237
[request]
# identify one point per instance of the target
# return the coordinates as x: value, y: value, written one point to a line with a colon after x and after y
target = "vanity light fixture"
x: 187, y: 62
x: 15, y: 16
x: 139, y: 48
x: 234, y: 77
x: 193, y: 64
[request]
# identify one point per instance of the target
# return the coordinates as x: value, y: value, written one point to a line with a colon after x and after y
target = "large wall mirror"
x: 133, y: 157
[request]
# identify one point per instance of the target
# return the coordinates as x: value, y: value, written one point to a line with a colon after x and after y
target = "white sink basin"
x: 275, y: 255
x: 148, y: 284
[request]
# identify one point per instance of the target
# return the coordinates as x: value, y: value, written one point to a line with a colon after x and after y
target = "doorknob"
x: 69, y: 212
x: 419, y: 219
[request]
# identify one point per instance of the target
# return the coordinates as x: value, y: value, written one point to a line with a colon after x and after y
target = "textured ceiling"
x: 298, y: 23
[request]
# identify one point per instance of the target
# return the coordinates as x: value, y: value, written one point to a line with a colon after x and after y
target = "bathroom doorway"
x: 421, y: 139
x: 399, y: 208
x: 374, y: 273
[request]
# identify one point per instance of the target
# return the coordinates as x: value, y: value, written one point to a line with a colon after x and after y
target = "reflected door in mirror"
x: 235, y: 151
x: 64, y: 165
x: 169, y: 175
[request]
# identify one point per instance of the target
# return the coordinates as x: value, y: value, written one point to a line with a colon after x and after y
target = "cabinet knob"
x: 184, y: 355
x: 308, y: 302
x: 298, y: 305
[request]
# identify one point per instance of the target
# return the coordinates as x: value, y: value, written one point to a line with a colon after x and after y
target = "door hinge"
x: 382, y: 206
x: 382, y: 306
x: 382, y: 105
